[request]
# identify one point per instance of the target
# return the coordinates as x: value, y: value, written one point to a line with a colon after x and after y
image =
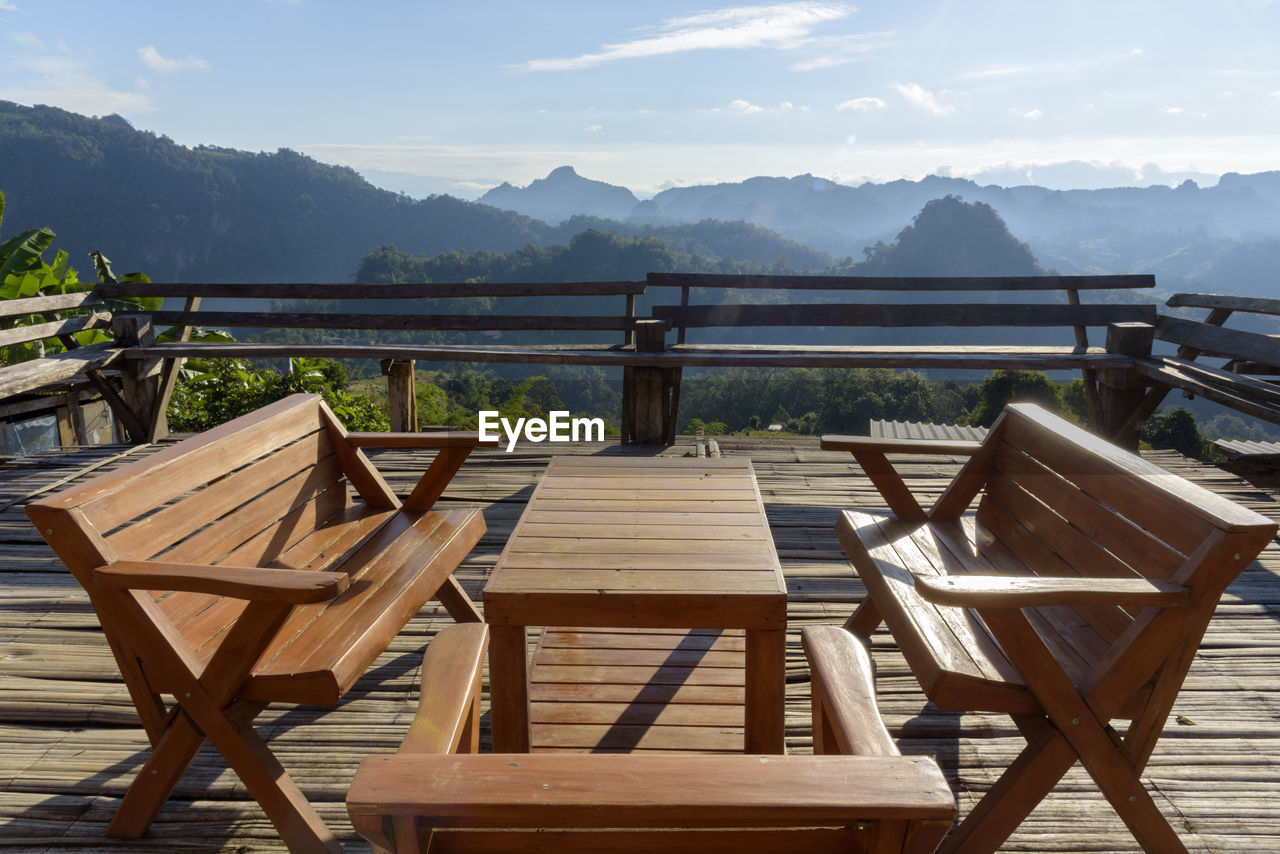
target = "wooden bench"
x: 425, y: 799
x: 75, y: 371
x: 344, y: 315
x: 1074, y: 596
x: 1249, y: 362
x: 983, y: 328
x: 234, y: 569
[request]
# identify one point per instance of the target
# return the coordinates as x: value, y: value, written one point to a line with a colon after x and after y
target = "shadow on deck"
x: 70, y: 743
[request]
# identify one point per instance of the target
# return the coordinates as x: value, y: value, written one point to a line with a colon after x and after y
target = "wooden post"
x: 158, y: 428
x: 1122, y: 391
x: 402, y: 399
x: 141, y: 378
x: 649, y: 396
x: 71, y: 424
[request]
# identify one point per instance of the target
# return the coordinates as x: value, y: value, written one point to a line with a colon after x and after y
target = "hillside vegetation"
x: 222, y: 215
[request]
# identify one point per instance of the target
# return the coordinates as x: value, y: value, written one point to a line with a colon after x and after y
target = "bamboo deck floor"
x: 70, y: 744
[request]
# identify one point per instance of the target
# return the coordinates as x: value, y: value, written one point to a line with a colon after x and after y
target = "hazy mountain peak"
x: 561, y: 195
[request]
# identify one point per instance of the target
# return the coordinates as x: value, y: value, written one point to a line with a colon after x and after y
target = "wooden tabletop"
x: 623, y: 542
x: 654, y: 542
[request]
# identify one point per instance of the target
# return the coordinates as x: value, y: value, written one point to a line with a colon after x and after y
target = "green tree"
x: 217, y: 390
x: 1176, y: 430
x: 1004, y: 387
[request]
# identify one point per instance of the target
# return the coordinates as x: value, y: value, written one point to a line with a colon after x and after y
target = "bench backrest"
x: 240, y: 494
x: 908, y: 301
x: 343, y: 311
x: 1062, y: 502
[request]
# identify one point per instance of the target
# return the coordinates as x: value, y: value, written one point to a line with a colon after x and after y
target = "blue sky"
x: 657, y: 94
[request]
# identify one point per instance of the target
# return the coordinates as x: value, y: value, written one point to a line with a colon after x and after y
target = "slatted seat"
x: 235, y: 569
x: 1074, y: 596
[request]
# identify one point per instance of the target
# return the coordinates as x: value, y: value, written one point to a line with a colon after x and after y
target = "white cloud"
x: 783, y: 26
x: 29, y: 40
x: 1275, y: 96
x: 1031, y: 114
x: 593, y: 128
x: 70, y: 83
x: 821, y: 62
x: 152, y: 59
x: 834, y: 51
x: 6, y: 6
x: 786, y: 106
x: 920, y: 97
x: 1172, y: 111
x: 745, y: 107
x: 868, y: 102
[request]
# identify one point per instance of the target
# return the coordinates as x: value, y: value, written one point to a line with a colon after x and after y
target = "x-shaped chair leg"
x: 1072, y: 731
x: 207, y: 709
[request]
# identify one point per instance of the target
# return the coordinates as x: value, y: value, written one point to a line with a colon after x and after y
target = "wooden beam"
x: 1226, y: 395
x: 141, y: 376
x: 1231, y: 303
x: 908, y: 315
x: 458, y: 322
x: 941, y: 358
x: 1216, y: 340
x: 900, y: 283
x: 60, y: 367
x: 40, y: 305
x: 169, y: 379
x: 39, y: 331
x: 402, y: 401
x: 324, y: 291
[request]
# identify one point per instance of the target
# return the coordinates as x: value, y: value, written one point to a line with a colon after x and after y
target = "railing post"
x: 141, y: 379
x: 647, y: 390
x: 402, y: 398
x: 1121, y: 391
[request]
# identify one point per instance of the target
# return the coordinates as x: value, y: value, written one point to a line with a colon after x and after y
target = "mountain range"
x: 217, y: 214
x: 1225, y: 231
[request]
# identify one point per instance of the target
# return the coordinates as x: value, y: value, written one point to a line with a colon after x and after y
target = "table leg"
x: 509, y: 689
x: 766, y: 691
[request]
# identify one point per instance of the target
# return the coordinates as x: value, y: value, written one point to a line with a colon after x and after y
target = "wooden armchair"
x: 1075, y: 596
x: 234, y: 569
x: 863, y: 797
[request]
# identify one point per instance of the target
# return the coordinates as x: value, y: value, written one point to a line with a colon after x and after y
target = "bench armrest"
x: 448, y: 716
x: 635, y: 790
x: 1001, y: 591
x: 871, y: 445
x: 846, y: 719
x: 433, y: 439
x: 280, y: 586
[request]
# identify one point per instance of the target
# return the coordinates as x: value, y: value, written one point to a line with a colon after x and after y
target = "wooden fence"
x: 1124, y: 381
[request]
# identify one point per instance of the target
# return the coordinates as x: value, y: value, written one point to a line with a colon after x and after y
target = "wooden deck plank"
x: 69, y: 744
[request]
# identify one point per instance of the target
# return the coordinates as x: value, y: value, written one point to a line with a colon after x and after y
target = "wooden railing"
x: 1124, y: 380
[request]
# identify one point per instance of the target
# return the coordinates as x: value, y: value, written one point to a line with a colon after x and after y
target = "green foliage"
x: 830, y: 400
x: 25, y: 274
x: 1177, y: 430
x: 1004, y: 387
x: 217, y: 390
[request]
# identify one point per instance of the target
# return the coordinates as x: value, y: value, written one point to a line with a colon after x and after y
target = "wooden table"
x: 640, y: 542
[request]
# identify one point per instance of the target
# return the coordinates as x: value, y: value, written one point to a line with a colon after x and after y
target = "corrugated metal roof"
x: 924, y: 430
x: 1246, y: 449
